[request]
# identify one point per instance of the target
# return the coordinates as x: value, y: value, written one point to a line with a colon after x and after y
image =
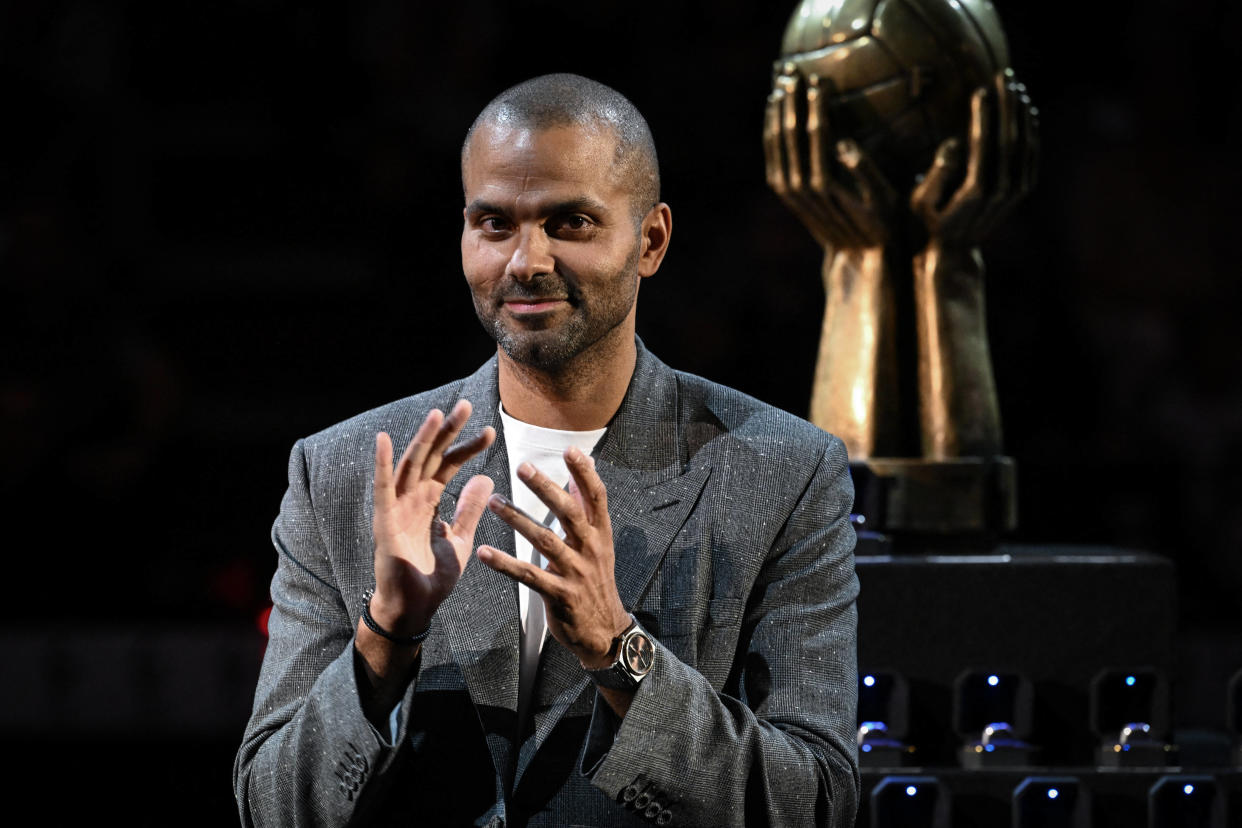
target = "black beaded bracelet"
x: 378, y: 630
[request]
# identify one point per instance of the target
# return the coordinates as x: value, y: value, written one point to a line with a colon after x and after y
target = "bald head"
x: 574, y: 101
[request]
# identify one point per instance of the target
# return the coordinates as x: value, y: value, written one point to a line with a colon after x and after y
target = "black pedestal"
x: 1057, y: 615
x: 1073, y: 629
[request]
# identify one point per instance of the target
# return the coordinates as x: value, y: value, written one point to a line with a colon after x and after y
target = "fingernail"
x: 526, y: 470
x: 498, y: 501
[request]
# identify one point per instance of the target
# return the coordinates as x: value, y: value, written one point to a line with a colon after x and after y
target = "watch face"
x: 639, y: 653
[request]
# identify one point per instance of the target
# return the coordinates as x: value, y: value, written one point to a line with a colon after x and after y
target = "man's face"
x: 549, y: 246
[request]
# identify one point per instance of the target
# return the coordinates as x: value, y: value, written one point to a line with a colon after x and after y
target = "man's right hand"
x: 418, y: 557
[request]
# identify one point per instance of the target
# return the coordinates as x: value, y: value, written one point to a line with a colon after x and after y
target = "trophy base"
x: 952, y: 498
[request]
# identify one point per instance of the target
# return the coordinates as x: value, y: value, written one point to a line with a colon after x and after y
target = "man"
x: 687, y: 548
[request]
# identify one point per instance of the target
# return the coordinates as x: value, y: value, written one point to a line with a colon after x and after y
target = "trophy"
x: 898, y: 134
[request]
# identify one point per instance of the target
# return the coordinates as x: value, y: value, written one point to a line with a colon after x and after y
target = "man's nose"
x: 532, y: 255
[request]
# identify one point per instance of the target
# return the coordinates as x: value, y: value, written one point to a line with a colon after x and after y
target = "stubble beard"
x: 556, y: 349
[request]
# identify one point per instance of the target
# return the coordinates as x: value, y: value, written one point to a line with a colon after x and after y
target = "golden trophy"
x: 898, y: 134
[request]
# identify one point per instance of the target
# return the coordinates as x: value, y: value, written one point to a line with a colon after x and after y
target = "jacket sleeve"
x: 778, y: 746
x: 309, y: 756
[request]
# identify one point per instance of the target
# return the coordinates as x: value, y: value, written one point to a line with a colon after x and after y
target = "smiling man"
x: 660, y: 624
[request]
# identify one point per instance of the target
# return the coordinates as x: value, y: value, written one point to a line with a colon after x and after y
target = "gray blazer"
x: 733, y: 548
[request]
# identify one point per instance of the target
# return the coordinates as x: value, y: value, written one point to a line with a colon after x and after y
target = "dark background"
x: 225, y: 225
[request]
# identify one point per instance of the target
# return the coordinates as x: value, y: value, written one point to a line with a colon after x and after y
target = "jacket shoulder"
x: 718, y: 410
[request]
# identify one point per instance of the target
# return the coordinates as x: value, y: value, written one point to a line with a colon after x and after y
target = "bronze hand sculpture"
x: 899, y: 136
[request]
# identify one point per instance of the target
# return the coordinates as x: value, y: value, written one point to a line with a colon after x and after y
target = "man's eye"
x: 572, y: 223
x: 493, y: 224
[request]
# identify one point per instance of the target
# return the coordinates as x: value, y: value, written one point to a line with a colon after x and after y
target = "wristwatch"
x: 635, y: 655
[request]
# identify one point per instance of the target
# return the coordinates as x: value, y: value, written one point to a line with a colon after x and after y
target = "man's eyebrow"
x: 572, y: 205
x: 479, y: 207
x: 582, y: 204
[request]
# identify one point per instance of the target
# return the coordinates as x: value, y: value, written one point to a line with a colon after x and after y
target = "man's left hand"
x: 582, y: 607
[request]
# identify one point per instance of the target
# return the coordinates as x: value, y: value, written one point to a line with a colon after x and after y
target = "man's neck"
x: 579, y: 396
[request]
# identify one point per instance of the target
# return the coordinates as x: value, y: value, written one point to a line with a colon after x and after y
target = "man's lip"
x: 532, y: 305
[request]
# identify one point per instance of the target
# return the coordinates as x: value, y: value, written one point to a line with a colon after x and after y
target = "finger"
x: 1013, y: 174
x: 927, y: 196
x: 383, y: 488
x: 772, y: 144
x: 1000, y: 188
x: 981, y: 136
x: 1006, y: 139
x: 963, y: 208
x: 816, y: 130
x: 444, y: 437
x: 539, y: 535
x: 470, y: 506
x: 415, y: 453
x: 790, y: 130
x: 591, y: 492
x: 558, y: 501
x: 448, y: 556
x: 540, y: 580
x: 457, y: 455
x: 831, y: 204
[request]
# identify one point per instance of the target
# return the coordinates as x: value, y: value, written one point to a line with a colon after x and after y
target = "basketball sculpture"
x: 896, y: 76
x: 898, y: 134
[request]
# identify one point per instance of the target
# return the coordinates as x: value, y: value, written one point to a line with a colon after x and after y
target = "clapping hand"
x: 418, y: 557
x: 582, y: 607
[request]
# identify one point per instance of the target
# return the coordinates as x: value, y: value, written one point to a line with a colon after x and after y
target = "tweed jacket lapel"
x: 480, y: 616
x: 642, y: 462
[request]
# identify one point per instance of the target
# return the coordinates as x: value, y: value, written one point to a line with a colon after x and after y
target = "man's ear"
x: 656, y: 229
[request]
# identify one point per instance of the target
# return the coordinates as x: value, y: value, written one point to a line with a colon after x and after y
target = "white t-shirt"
x: 543, y: 448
